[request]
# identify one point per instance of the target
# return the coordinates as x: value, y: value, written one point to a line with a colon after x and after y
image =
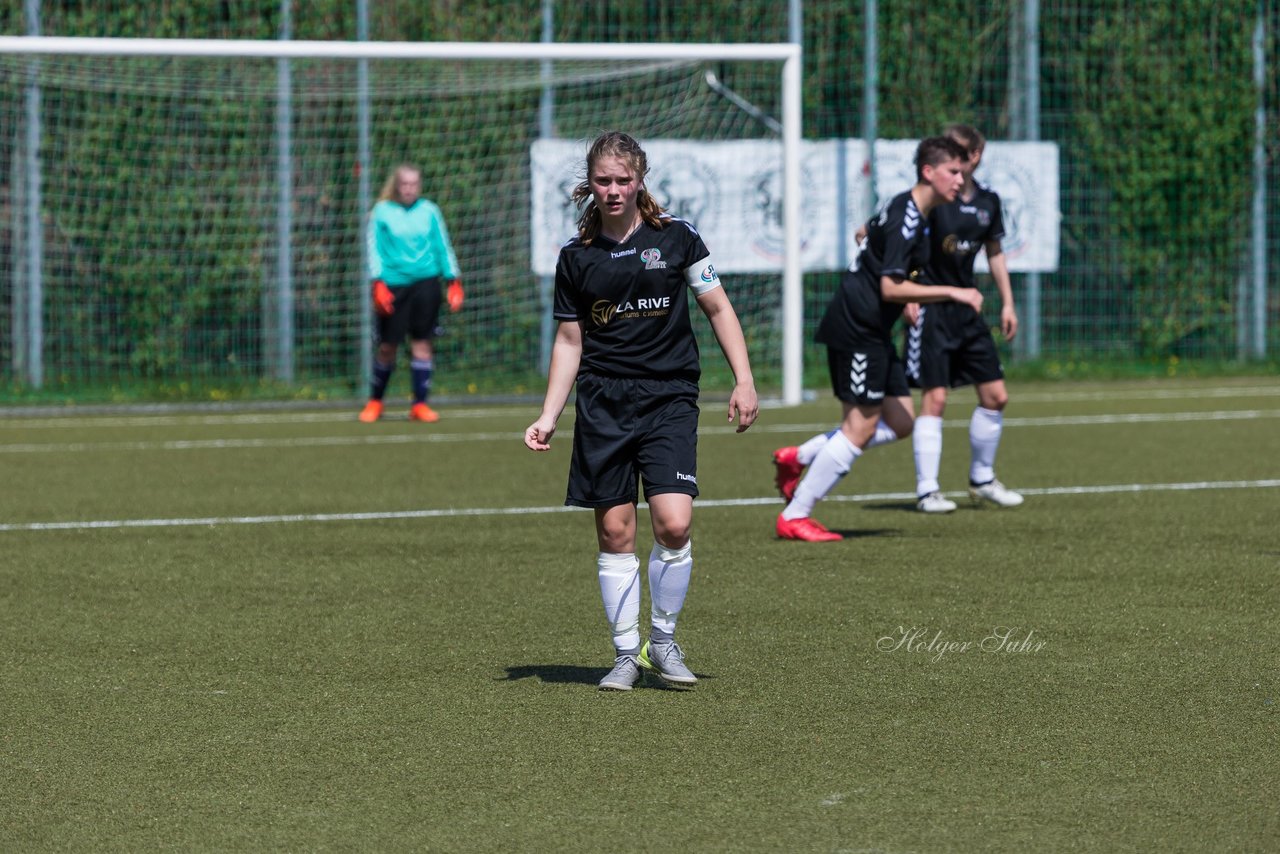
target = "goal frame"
x: 789, y: 54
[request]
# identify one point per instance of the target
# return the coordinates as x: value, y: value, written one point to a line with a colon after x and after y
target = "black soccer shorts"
x: 867, y: 374
x: 630, y: 430
x: 950, y: 346
x: 416, y: 313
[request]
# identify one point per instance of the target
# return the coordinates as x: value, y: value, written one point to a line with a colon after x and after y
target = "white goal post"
x: 788, y: 55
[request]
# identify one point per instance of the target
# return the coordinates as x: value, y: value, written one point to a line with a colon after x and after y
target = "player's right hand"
x: 384, y: 302
x: 538, y: 436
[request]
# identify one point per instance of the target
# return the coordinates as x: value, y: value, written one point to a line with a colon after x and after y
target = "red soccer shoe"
x: 806, y: 530
x: 787, y: 471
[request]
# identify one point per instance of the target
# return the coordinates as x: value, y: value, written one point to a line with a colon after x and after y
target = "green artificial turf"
x: 198, y: 674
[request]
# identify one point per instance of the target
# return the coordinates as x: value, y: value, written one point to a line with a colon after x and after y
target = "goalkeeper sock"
x: 421, y: 370
x: 381, y: 376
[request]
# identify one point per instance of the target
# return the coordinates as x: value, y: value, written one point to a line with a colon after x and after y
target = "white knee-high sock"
x: 832, y: 463
x: 620, y: 590
x: 669, y: 571
x: 984, y: 440
x: 809, y: 450
x: 927, y: 446
x: 884, y: 435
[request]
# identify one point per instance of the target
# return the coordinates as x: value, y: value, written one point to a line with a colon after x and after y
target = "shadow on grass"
x: 574, y: 675
x: 899, y: 506
x: 864, y: 533
x: 564, y: 673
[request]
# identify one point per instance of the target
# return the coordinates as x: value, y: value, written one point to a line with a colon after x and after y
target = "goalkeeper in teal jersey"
x: 410, y: 259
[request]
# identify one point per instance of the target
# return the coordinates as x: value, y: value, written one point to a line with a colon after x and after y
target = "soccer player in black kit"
x: 949, y: 345
x: 624, y: 336
x: 865, y: 367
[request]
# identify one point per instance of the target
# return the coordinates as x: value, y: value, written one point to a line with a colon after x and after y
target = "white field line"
x: 286, y: 442
x: 1216, y: 392
x: 514, y: 437
x: 337, y: 416
x: 454, y: 513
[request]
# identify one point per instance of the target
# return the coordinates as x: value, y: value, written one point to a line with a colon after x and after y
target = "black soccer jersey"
x: 957, y: 231
x: 897, y: 245
x: 632, y: 300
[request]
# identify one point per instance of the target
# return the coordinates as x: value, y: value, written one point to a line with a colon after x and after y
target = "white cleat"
x: 935, y: 503
x: 994, y: 492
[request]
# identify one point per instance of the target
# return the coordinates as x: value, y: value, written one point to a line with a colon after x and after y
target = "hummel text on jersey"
x: 624, y: 253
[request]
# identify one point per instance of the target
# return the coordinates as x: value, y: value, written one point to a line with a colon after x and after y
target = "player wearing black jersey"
x: 865, y: 368
x: 624, y: 336
x: 949, y: 345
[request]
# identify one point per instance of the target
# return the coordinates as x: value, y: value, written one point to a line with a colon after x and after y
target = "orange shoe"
x: 805, y: 529
x: 422, y: 412
x: 372, y: 411
x: 788, y: 469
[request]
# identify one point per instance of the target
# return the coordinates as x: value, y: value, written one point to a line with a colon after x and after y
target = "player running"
x: 866, y: 373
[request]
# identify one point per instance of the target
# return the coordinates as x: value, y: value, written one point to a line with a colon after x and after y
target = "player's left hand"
x: 1008, y: 322
x: 454, y: 296
x: 911, y: 311
x: 744, y: 404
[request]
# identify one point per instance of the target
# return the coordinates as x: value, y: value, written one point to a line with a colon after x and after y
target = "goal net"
x: 191, y: 226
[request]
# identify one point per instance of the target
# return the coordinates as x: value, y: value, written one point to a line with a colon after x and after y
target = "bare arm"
x: 1000, y: 272
x: 895, y: 289
x: 743, y: 403
x: 566, y: 355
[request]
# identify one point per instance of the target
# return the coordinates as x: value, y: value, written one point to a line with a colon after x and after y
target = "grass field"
x: 286, y: 630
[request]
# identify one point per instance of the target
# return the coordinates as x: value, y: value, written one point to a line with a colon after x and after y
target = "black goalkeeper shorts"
x: 416, y: 313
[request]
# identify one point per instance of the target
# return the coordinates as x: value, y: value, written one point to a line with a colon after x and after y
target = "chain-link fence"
x: 1167, y: 119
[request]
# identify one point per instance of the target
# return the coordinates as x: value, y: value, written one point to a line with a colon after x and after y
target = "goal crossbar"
x: 289, y: 49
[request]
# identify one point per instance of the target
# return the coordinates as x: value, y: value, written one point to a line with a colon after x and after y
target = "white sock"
x: 832, y: 463
x: 884, y: 435
x: 620, y: 590
x: 669, y: 571
x: 984, y: 439
x: 809, y: 450
x: 927, y: 445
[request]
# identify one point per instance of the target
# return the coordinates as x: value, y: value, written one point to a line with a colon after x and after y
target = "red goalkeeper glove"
x: 384, y: 302
x: 454, y: 295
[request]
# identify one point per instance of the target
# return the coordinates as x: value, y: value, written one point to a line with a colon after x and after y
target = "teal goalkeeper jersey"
x: 409, y: 244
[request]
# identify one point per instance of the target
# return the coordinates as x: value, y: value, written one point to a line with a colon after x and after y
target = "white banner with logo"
x: 732, y: 193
